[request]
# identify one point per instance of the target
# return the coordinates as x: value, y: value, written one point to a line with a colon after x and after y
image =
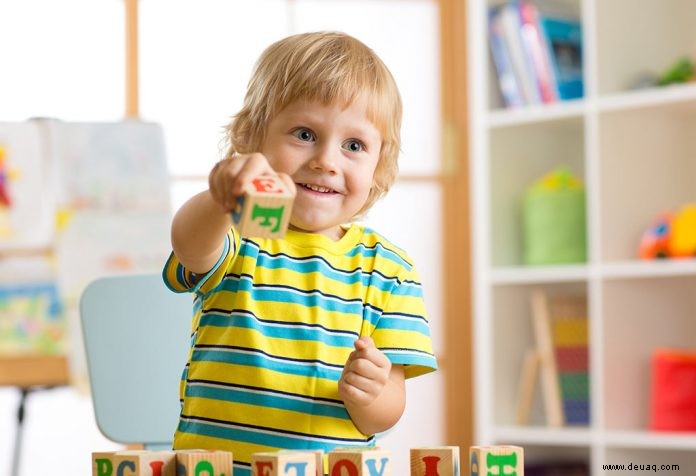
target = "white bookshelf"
x: 636, y: 151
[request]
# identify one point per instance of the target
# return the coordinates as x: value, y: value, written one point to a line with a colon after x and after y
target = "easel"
x: 30, y: 372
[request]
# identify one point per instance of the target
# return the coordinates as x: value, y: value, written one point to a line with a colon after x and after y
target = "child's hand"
x: 365, y: 374
x: 228, y: 178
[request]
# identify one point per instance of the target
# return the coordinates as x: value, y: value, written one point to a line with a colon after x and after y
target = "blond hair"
x: 331, y: 68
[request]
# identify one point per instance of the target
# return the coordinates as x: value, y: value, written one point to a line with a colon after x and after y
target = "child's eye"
x: 354, y: 145
x: 303, y: 134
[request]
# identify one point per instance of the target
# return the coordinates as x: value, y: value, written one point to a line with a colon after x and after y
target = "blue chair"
x: 136, y: 334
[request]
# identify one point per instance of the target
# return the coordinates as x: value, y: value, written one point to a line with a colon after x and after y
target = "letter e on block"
x: 264, y: 209
x: 284, y: 463
x: 360, y: 462
x: 501, y: 460
x: 435, y: 461
x: 203, y: 463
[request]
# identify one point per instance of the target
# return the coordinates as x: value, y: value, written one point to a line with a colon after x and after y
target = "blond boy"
x: 302, y: 342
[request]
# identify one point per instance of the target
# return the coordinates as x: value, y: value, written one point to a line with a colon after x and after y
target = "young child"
x: 302, y: 342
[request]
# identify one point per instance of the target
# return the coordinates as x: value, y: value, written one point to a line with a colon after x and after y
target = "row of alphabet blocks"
x: 425, y: 461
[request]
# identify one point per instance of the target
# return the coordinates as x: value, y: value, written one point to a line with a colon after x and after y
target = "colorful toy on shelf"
x: 672, y: 235
x: 682, y: 243
x: 673, y: 390
x: 681, y: 71
x: 655, y: 240
x: 554, y: 220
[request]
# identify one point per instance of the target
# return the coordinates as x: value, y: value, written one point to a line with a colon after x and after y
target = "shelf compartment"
x: 641, y: 36
x: 655, y: 147
x: 513, y: 335
x: 520, y: 155
x: 639, y: 316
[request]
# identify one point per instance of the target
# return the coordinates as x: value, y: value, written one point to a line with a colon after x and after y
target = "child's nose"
x: 324, y: 161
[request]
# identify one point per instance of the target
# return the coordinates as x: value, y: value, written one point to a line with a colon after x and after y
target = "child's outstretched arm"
x: 199, y: 227
x: 372, y: 389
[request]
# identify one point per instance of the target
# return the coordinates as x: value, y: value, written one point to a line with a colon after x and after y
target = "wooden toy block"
x: 203, y: 463
x: 264, y: 209
x: 435, y: 461
x: 359, y: 462
x: 286, y: 463
x: 496, y: 460
x: 134, y: 463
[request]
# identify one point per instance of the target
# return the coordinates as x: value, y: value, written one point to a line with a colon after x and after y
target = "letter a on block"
x: 435, y: 461
x: 496, y: 460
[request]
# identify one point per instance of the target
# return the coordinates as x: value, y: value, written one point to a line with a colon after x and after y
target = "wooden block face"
x: 359, y: 462
x: 203, y: 463
x: 435, y: 461
x: 284, y: 463
x: 265, y: 208
x: 103, y: 463
x: 134, y: 463
x: 496, y: 460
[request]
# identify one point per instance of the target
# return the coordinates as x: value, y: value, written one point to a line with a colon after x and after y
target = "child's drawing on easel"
x: 5, y: 200
x: 27, y: 202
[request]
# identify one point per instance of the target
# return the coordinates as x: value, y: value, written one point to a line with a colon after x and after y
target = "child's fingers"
x: 255, y: 165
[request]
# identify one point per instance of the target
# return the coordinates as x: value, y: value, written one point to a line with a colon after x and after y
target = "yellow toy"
x: 682, y: 242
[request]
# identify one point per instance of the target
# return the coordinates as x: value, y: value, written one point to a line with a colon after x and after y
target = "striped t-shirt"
x: 274, y: 322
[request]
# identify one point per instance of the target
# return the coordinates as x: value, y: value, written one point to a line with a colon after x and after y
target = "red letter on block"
x: 348, y: 465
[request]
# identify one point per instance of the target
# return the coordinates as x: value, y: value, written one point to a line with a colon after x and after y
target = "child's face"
x: 331, y: 154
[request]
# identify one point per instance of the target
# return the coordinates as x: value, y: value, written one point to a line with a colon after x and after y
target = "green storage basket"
x: 554, y: 220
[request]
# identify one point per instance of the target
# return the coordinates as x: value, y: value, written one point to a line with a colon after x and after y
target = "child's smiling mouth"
x: 317, y: 188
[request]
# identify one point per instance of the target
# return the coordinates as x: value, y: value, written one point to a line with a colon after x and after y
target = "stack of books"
x: 537, y: 55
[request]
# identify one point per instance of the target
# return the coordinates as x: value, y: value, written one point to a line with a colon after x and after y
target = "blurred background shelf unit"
x: 635, y: 150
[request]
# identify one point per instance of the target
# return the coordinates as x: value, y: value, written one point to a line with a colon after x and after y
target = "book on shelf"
x: 508, y: 80
x: 563, y: 38
x: 537, y: 55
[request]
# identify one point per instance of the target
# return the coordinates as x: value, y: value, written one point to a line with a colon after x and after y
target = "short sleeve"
x: 181, y: 280
x: 403, y: 331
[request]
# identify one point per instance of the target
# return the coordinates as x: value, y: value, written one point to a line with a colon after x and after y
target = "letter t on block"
x: 265, y: 208
x: 496, y: 460
x: 435, y: 461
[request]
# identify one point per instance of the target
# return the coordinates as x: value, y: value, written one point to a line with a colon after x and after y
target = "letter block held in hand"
x: 435, y: 461
x: 264, y: 209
